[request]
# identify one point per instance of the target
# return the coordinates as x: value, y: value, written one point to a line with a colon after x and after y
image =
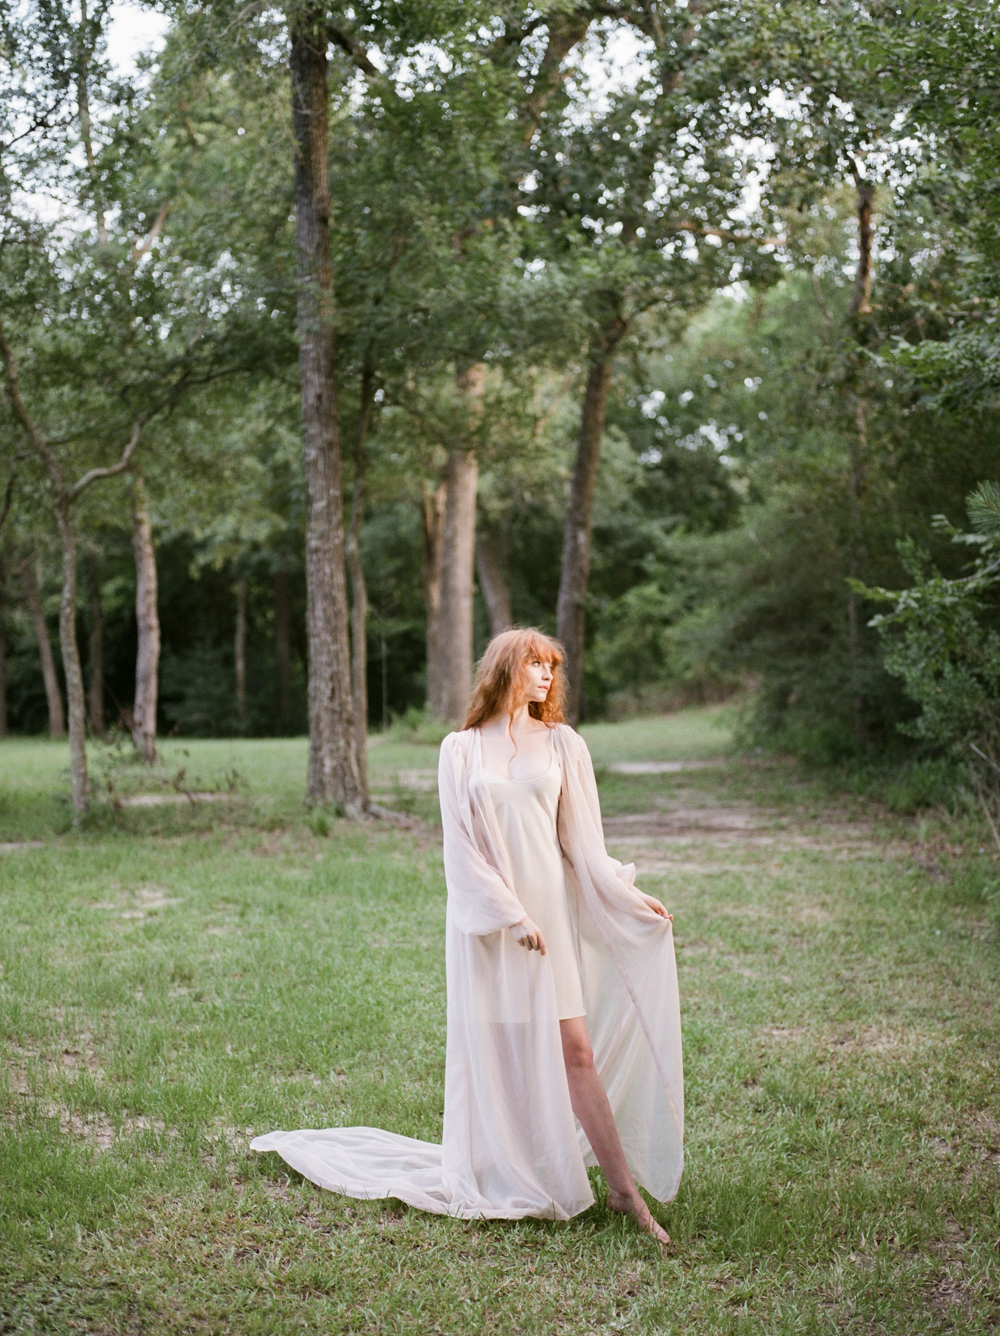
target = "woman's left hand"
x: 655, y: 906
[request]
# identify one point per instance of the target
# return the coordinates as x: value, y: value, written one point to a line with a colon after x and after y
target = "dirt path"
x: 685, y: 838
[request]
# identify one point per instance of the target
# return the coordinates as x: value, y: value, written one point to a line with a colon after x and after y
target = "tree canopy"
x: 666, y: 326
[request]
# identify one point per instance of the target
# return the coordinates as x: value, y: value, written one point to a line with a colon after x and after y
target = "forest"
x: 336, y: 340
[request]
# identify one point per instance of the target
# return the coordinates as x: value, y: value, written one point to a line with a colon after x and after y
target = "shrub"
x: 941, y: 637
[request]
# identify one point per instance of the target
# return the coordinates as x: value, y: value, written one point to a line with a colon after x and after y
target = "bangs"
x: 538, y: 646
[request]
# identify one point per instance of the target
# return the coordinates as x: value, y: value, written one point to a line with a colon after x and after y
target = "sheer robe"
x: 511, y: 1146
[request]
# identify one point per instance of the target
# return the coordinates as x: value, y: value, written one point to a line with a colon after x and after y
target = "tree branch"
x: 8, y: 495
x: 39, y: 123
x: 820, y: 299
x: 86, y: 132
x: 25, y: 418
x: 701, y: 231
x: 565, y: 31
x: 670, y: 77
x: 94, y: 475
x: 542, y: 421
x: 144, y: 244
x: 498, y: 49
x: 356, y: 52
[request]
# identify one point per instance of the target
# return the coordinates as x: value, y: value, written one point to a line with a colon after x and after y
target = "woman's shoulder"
x: 569, y: 737
x: 459, y: 740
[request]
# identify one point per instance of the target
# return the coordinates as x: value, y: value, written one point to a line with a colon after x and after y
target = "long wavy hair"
x: 500, y: 677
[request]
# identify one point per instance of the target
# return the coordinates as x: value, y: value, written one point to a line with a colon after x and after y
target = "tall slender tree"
x: 334, y: 772
x: 53, y: 695
x: 638, y: 204
x: 95, y: 649
x: 4, y: 722
x: 356, y: 571
x: 64, y: 496
x: 147, y: 619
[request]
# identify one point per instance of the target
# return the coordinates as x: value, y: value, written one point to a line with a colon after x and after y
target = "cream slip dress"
x: 527, y: 812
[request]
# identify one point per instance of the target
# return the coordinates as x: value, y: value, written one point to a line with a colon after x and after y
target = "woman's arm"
x: 481, y: 900
x: 578, y: 756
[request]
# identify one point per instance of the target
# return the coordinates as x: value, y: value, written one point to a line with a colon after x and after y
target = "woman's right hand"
x: 529, y: 935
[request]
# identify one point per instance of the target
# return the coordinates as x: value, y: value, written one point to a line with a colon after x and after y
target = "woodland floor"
x: 182, y: 974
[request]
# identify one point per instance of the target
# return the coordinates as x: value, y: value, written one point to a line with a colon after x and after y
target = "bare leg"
x: 590, y: 1104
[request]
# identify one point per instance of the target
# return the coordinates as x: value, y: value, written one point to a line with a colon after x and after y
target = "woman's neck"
x: 515, y: 721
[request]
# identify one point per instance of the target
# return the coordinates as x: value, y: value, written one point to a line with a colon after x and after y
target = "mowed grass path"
x: 178, y: 977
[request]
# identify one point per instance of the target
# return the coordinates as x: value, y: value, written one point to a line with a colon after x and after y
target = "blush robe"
x: 511, y: 1146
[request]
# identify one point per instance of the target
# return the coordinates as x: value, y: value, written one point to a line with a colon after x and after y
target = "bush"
x: 941, y: 637
x: 931, y: 782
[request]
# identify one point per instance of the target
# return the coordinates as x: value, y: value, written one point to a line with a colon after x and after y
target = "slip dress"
x: 526, y: 812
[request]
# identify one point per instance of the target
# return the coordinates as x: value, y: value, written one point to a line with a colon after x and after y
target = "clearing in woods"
x: 184, y: 973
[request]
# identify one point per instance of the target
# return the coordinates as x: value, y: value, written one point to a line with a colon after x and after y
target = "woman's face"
x: 536, y: 678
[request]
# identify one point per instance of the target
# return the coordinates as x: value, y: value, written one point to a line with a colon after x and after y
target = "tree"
x: 634, y: 208
x: 334, y: 772
x: 147, y: 624
x: 110, y: 335
x: 64, y: 494
x: 53, y: 695
x: 95, y: 687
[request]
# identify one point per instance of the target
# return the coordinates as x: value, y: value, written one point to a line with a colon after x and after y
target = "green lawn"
x: 178, y: 977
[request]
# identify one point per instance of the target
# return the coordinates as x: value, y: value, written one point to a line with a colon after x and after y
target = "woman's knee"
x: 577, y: 1052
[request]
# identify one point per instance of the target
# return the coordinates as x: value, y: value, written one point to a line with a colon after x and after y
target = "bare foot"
x: 634, y: 1206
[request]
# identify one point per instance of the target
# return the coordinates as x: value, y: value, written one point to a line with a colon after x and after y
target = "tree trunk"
x: 240, y: 652
x: 63, y: 498
x: 76, y: 700
x: 385, y: 686
x: 452, y: 681
x: 359, y: 589
x: 432, y: 513
x: 283, y: 647
x: 493, y: 582
x: 570, y: 612
x: 857, y: 440
x: 147, y: 618
x: 857, y: 457
x: 57, y: 719
x: 458, y: 555
x: 359, y: 649
x: 4, y: 723
x: 861, y: 297
x: 96, y: 654
x: 334, y: 772
x: 86, y: 134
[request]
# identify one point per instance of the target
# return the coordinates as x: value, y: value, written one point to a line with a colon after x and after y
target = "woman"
x: 562, y: 989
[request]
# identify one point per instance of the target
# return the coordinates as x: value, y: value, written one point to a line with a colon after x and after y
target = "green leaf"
x: 984, y: 510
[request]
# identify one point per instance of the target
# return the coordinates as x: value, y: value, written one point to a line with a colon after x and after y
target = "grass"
x: 175, y: 977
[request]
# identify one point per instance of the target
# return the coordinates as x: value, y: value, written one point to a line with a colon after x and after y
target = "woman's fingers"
x: 534, y: 941
x: 652, y: 903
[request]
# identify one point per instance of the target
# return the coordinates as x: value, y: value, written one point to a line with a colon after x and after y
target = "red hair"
x: 500, y: 677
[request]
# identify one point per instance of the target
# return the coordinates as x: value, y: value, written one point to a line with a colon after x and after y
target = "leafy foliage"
x: 942, y: 636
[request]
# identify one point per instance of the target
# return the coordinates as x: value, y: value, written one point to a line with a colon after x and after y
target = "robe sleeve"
x: 586, y: 840
x: 479, y: 899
